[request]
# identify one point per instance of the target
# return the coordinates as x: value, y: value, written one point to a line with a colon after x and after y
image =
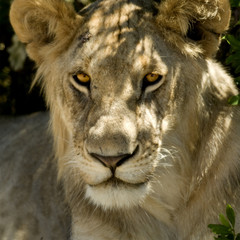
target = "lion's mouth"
x: 117, y: 183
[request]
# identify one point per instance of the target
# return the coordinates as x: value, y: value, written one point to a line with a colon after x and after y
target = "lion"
x: 143, y: 142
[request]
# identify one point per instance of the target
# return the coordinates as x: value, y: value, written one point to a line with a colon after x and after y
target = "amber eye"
x: 82, y: 79
x: 151, y: 79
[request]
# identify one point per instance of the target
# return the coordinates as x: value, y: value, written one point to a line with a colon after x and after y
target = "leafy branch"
x: 225, y: 230
x: 233, y: 39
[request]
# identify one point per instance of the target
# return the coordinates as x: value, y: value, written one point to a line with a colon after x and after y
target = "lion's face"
x: 113, y: 97
x: 115, y: 79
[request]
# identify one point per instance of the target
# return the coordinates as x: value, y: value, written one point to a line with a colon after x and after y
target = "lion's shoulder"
x: 27, y: 159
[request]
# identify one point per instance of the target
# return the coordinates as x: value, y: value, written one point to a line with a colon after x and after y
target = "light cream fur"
x: 180, y: 135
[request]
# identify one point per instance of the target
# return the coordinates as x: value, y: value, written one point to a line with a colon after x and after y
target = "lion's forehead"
x: 124, y: 39
x: 119, y: 14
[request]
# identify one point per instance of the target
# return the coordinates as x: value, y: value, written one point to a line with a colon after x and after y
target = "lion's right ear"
x: 42, y: 23
x: 194, y: 26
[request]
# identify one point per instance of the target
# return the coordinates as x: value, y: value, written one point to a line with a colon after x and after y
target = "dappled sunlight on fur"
x: 144, y: 146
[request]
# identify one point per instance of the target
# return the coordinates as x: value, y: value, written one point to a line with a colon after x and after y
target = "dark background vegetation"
x: 17, y: 71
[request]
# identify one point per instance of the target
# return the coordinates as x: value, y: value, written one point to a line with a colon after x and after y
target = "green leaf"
x: 229, y: 59
x: 237, y: 70
x: 234, y: 101
x: 220, y: 229
x: 234, y: 58
x: 229, y: 211
x: 235, y: 43
x: 235, y: 3
x: 224, y: 221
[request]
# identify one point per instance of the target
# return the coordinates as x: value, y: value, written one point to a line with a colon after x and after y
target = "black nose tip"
x: 113, y: 162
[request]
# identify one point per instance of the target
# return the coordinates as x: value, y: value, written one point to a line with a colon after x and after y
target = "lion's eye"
x: 82, y: 79
x: 152, y: 79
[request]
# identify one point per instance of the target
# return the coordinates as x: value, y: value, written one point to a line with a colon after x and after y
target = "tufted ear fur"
x: 43, y: 25
x: 194, y: 26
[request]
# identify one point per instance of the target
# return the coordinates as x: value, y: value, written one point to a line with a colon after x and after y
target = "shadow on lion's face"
x: 124, y: 81
x: 116, y: 95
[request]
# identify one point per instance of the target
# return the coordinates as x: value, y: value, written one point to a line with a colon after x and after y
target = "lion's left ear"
x: 43, y: 25
x: 194, y: 26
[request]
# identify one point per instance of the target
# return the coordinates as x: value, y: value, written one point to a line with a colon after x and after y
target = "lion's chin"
x: 117, y: 194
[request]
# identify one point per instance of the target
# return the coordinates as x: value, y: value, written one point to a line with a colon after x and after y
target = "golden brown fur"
x: 176, y: 142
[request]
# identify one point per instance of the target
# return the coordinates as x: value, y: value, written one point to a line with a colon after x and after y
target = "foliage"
x: 15, y: 80
x: 235, y: 3
x: 225, y: 230
x: 234, y: 58
x: 234, y: 100
x: 17, y: 71
x: 233, y: 55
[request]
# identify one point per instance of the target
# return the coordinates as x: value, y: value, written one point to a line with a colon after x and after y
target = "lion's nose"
x: 113, y: 162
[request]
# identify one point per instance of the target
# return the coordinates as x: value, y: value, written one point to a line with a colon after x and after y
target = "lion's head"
x: 128, y: 89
